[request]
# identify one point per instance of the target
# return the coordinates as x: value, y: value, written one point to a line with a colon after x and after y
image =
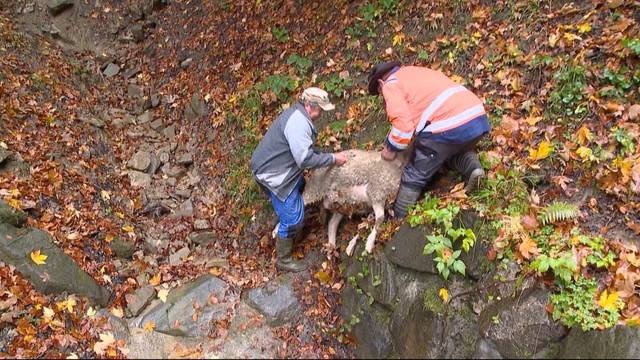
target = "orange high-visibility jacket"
x: 418, y: 100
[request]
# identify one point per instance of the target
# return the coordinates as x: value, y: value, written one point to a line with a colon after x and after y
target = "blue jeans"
x: 291, y: 211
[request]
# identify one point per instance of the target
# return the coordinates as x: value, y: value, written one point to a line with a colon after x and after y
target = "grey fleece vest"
x: 286, y: 150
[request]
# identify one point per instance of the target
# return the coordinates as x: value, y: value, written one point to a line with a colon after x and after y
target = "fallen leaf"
x: 117, y: 312
x: 398, y: 39
x: 91, y: 312
x: 162, y: 295
x: 323, y: 277
x: 215, y: 271
x: 127, y: 228
x: 528, y: 247
x: 73, y: 236
x: 72, y: 356
x: 38, y: 258
x: 584, y: 135
x: 155, y: 280
x: 584, y: 28
x: 48, y: 313
x: 149, y: 326
x: 544, y: 150
x: 633, y: 112
x: 101, y: 346
x: 608, y: 301
x: 105, y: 195
x: 444, y: 295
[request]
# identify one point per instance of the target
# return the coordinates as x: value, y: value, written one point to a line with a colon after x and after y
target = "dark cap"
x: 377, y: 73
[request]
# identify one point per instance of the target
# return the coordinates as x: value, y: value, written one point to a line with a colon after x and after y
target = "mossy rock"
x: 11, y: 216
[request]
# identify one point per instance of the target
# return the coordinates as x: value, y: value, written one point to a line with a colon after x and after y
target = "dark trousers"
x: 428, y: 157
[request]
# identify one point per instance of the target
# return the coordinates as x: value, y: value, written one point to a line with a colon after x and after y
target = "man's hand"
x: 387, y: 154
x: 341, y: 158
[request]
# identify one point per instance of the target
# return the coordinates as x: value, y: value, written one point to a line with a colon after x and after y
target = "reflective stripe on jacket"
x: 418, y: 99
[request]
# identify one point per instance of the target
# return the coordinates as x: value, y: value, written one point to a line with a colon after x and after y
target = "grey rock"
x: 139, y: 179
x: 202, y: 238
x: 143, y: 344
x: 4, y: 154
x: 50, y: 29
x: 246, y: 339
x: 618, y: 342
x: 137, y: 301
x: 155, y: 100
x: 170, y: 132
x: 195, y: 108
x: 183, y: 193
x: 157, y: 124
x: 135, y: 91
x: 146, y: 117
x: 118, y: 327
x: 119, y: 123
x: 58, y: 6
x: 156, y: 243
x: 164, y: 156
x: 173, y: 171
x: 201, y: 224
x: 140, y: 161
x: 185, y: 159
x: 10, y: 215
x: 138, y: 32
x: 185, y: 63
x: 517, y: 319
x: 486, y: 349
x: 276, y: 300
x: 129, y: 73
x: 177, y: 257
x: 203, y: 297
x: 154, y: 165
x: 406, y: 247
x: 94, y: 121
x: 184, y: 210
x: 111, y: 70
x: 123, y: 249
x: 28, y: 8
x: 16, y: 246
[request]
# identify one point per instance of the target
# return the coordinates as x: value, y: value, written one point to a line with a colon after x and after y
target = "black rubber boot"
x: 284, y: 256
x: 469, y: 166
x: 407, y: 196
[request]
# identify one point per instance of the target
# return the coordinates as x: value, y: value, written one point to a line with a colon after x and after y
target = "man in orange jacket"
x: 446, y: 119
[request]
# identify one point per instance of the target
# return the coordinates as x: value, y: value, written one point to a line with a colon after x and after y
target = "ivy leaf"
x: 38, y: 258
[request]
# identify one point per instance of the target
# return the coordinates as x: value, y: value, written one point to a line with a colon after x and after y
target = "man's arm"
x: 399, y: 115
x: 298, y: 134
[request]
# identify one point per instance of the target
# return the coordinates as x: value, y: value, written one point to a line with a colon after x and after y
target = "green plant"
x: 558, y: 211
x: 441, y: 241
x: 625, y: 140
x: 301, y: 64
x: 600, y: 256
x: 563, y: 266
x: 280, y: 85
x: 632, y: 44
x: 567, y: 97
x: 281, y: 34
x: 338, y: 85
x: 575, y: 305
x: 505, y: 193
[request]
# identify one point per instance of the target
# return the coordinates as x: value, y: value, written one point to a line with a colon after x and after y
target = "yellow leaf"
x: 15, y: 193
x: 104, y: 194
x: 544, y: 150
x: 608, y: 301
x: 109, y: 238
x: 553, y: 39
x: 14, y: 203
x: 155, y: 280
x: 584, y: 28
x: 117, y: 312
x: 457, y: 79
x: 70, y: 303
x: 585, y: 153
x: 515, y: 84
x: 444, y: 294
x: 120, y: 215
x: 127, y: 228
x: 38, y: 258
x: 72, y: 356
x: 398, y: 39
x: 73, y: 236
x: 533, y: 120
x: 215, y: 271
x: 149, y: 326
x: 162, y: 295
x: 323, y: 277
x: 570, y: 37
x: 48, y: 313
x: 584, y: 135
x: 91, y: 312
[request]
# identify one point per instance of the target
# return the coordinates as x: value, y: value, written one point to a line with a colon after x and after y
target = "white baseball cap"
x: 318, y: 96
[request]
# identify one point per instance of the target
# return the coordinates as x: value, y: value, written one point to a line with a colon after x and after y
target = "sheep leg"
x: 378, y: 210
x: 274, y: 233
x: 352, y: 245
x: 332, y: 229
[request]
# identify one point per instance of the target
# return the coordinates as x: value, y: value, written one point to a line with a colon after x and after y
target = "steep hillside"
x: 133, y: 124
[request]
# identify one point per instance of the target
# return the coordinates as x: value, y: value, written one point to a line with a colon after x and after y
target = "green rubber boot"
x: 284, y: 256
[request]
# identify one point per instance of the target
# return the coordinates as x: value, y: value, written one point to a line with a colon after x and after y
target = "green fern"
x: 558, y: 211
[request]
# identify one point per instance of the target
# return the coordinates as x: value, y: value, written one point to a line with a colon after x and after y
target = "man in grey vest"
x: 278, y: 164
